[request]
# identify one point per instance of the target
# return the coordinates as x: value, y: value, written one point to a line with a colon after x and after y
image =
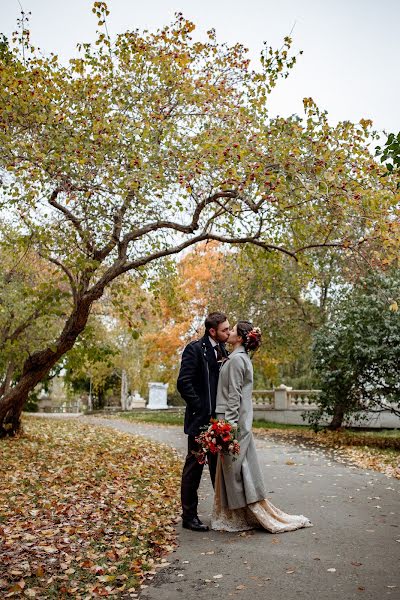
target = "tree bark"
x: 38, y: 366
x: 124, y: 389
x: 6, y: 383
x: 338, y: 417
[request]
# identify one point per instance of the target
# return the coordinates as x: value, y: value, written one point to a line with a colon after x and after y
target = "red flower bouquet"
x: 218, y: 438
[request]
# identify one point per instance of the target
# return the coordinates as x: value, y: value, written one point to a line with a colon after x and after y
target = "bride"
x: 240, y: 501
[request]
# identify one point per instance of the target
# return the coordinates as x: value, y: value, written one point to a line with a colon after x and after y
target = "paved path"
x: 351, y: 552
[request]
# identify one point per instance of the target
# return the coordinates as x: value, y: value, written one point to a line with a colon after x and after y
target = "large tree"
x: 143, y: 146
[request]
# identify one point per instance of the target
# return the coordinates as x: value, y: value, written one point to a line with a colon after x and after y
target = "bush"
x: 356, y: 354
x: 175, y: 399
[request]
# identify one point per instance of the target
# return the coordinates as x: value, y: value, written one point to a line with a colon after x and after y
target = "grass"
x: 84, y: 511
x: 261, y: 424
x: 161, y: 417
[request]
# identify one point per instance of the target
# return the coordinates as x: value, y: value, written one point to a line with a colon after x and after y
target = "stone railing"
x: 286, y: 405
x: 285, y: 398
x: 264, y: 398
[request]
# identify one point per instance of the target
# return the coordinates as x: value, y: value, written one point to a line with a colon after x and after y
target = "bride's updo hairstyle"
x: 250, y: 335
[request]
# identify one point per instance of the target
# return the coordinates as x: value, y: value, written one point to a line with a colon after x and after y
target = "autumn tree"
x: 180, y: 302
x: 33, y: 304
x: 145, y: 145
x: 89, y: 367
x: 285, y: 299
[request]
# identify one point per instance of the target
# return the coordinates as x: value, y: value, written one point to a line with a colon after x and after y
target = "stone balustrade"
x: 264, y: 398
x: 285, y: 398
x: 286, y: 405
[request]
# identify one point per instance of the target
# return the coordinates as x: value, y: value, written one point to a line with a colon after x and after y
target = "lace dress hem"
x: 258, y: 515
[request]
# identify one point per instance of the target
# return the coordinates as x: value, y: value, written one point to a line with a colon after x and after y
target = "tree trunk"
x: 38, y: 366
x: 124, y: 390
x: 338, y: 417
x: 6, y: 383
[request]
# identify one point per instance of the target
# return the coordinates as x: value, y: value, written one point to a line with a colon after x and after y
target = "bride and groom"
x: 214, y: 384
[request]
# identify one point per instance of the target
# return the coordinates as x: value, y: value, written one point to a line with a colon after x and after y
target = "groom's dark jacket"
x: 197, y: 383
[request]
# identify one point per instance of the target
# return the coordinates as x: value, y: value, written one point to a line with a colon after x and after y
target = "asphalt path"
x: 352, y: 551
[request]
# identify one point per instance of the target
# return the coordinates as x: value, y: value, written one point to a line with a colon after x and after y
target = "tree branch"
x: 121, y: 266
x: 156, y: 225
x: 119, y: 214
x: 354, y: 247
x: 252, y: 240
x: 70, y: 217
x: 11, y: 337
x: 68, y: 273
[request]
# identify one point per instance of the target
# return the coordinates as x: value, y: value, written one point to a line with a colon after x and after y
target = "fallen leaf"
x: 49, y: 549
x: 75, y: 522
x: 331, y: 570
x: 106, y: 578
x: 219, y: 576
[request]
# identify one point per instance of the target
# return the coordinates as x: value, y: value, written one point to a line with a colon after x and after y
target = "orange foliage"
x: 183, y: 304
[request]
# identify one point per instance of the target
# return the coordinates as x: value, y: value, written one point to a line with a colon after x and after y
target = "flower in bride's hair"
x: 253, y: 340
x: 254, y: 334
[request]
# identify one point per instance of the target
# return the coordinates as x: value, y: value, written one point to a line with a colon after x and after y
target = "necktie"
x: 219, y: 353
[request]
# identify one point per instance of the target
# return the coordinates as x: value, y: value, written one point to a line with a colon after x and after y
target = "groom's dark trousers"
x: 191, y: 477
x: 197, y: 383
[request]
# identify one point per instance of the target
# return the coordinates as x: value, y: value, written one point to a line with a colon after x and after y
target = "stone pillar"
x: 281, y: 400
x: 157, y: 396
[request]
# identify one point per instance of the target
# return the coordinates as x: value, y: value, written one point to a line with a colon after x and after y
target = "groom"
x: 197, y: 384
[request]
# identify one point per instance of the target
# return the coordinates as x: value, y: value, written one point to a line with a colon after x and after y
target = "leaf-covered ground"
x: 368, y: 450
x: 84, y: 511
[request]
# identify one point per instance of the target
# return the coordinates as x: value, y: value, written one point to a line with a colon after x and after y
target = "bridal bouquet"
x: 218, y: 438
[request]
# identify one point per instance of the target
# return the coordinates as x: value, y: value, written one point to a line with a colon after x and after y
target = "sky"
x: 351, y: 48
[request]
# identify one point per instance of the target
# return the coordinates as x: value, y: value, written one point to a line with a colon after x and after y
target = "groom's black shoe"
x: 194, y: 524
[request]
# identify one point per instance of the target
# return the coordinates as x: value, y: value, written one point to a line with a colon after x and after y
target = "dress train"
x: 257, y: 515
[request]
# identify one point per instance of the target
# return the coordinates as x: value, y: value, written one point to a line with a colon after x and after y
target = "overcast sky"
x: 350, y: 65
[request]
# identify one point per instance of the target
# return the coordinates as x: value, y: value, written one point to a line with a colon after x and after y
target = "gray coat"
x: 242, y: 481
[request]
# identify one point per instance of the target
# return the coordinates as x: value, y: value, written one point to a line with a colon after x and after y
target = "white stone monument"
x: 157, y: 396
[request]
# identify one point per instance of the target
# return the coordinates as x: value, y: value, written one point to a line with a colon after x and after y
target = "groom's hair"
x: 214, y: 319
